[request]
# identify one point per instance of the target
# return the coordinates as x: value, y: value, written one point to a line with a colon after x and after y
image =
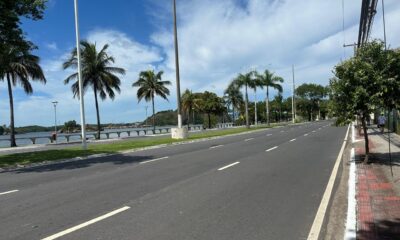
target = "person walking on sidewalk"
x: 381, y: 122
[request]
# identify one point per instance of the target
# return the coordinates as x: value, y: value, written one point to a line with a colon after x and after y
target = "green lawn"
x: 114, y: 147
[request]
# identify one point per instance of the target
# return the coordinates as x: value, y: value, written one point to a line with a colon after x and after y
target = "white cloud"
x: 52, y: 46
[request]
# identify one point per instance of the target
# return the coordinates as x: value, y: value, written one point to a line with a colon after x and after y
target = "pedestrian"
x: 381, y: 122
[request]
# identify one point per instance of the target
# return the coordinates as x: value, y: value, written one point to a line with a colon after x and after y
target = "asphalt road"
x: 262, y: 185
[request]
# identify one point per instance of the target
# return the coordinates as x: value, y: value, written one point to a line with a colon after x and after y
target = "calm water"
x: 61, y: 139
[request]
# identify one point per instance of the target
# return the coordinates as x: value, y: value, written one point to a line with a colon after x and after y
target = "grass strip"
x: 18, y: 159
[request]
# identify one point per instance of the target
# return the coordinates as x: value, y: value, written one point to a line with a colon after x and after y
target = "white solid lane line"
x: 153, y: 160
x: 294, y: 139
x: 228, y: 166
x: 218, y: 146
x: 85, y: 224
x: 271, y: 149
x: 319, y: 217
x: 249, y: 139
x: 12, y: 191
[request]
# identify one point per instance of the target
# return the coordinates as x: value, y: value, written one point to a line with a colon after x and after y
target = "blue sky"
x: 218, y: 39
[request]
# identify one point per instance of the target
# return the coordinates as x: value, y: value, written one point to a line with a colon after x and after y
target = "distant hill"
x: 163, y: 118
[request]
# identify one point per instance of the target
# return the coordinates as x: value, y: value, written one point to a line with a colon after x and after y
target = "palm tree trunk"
x: 267, y: 105
x: 12, y: 129
x: 255, y: 107
x: 97, y: 113
x: 154, y: 114
x: 209, y: 120
x: 233, y: 114
x: 188, y: 119
x: 246, y: 105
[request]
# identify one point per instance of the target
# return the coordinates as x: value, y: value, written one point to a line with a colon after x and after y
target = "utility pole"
x: 390, y: 110
x: 81, y: 98
x: 293, y: 99
x: 55, y: 119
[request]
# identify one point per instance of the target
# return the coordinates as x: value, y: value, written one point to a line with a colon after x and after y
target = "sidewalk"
x: 377, y: 192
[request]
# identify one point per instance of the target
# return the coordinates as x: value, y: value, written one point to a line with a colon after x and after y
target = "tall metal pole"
x: 384, y: 37
x: 293, y: 100
x: 81, y: 98
x: 384, y: 23
x: 178, y: 84
x: 55, y: 119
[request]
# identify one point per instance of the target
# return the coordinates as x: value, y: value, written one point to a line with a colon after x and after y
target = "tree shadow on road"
x: 117, y: 159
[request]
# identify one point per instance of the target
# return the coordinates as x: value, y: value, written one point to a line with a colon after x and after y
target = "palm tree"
x: 268, y: 80
x: 245, y: 80
x: 97, y: 73
x: 150, y: 85
x: 255, y: 83
x: 19, y: 66
x: 233, y: 97
x: 188, y: 103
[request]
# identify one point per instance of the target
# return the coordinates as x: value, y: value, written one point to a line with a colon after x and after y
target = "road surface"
x: 262, y: 185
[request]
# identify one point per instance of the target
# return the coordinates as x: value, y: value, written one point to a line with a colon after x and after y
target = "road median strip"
x: 15, y: 161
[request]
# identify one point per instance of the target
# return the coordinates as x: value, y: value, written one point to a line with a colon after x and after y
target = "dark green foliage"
x: 366, y: 82
x: 11, y: 12
x: 310, y: 97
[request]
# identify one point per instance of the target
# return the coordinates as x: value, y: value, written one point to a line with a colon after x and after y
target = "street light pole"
x: 178, y: 87
x: 81, y: 98
x: 55, y: 119
x: 293, y: 100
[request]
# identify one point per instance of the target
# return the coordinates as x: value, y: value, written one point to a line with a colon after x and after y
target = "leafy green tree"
x: 97, y: 73
x: 269, y: 80
x: 246, y: 81
x: 234, y: 98
x: 151, y: 84
x: 70, y: 126
x: 18, y: 67
x: 1, y: 130
x: 311, y: 95
x: 11, y: 34
x: 358, y: 84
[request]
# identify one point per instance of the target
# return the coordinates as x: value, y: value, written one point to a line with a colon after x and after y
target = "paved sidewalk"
x: 378, y: 193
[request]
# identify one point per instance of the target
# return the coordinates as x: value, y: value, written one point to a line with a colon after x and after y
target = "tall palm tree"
x: 268, y: 80
x: 150, y: 84
x: 233, y: 97
x: 19, y: 66
x: 255, y: 83
x: 245, y: 80
x: 97, y: 73
x: 188, y: 102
